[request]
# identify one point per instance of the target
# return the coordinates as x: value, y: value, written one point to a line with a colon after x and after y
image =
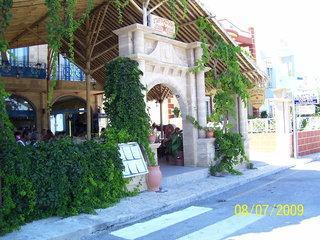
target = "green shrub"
x: 17, y: 189
x: 230, y: 152
x: 58, y: 178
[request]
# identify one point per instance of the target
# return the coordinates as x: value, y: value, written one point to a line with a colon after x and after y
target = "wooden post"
x: 88, y: 77
x: 161, y: 119
x: 93, y: 27
x: 47, y: 111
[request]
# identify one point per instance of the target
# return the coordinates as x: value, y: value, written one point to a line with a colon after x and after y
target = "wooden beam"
x: 136, y: 6
x: 147, y: 3
x: 98, y: 68
x: 103, y: 52
x: 79, y: 41
x: 98, y: 29
x: 37, y: 22
x: 92, y: 32
x: 105, y: 39
x: 157, y: 6
x: 36, y: 34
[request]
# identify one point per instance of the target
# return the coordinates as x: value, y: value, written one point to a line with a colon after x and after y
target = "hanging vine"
x: 5, y: 18
x: 174, y: 6
x: 62, y: 23
x: 229, y: 83
x: 120, y: 5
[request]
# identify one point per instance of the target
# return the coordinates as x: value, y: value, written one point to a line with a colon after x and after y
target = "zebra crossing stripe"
x: 142, y: 229
x: 222, y: 229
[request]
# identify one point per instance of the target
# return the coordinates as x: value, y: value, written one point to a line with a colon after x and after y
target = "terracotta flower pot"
x: 154, y: 178
x: 210, y: 134
x: 152, y: 138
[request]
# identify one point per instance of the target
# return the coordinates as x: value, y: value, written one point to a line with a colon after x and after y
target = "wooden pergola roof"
x: 27, y: 28
x: 159, y: 93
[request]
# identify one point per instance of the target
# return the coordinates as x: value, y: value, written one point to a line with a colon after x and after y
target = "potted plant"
x: 209, y: 132
x: 176, y: 112
x: 154, y: 177
x: 209, y: 129
x: 175, y: 148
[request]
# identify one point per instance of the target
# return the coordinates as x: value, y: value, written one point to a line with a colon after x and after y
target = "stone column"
x: 138, y: 41
x: 190, y: 133
x: 234, y: 120
x: 243, y: 125
x: 283, y: 124
x: 201, y: 94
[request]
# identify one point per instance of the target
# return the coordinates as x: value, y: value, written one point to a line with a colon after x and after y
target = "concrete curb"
x: 145, y: 205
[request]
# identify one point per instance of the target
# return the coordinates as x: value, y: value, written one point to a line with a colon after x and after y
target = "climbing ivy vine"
x: 228, y: 84
x: 62, y: 24
x: 120, y: 5
x: 5, y: 18
x: 125, y: 106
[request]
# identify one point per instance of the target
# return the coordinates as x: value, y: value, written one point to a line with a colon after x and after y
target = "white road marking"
x: 156, y: 224
x: 222, y: 229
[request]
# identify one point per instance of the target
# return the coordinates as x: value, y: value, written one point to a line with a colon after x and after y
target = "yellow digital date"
x: 292, y: 210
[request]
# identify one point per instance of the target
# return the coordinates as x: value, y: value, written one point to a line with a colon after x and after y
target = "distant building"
x: 280, y: 67
x: 245, y: 39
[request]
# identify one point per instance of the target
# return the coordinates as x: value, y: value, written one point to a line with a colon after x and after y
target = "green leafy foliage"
x: 176, y: 112
x: 175, y: 144
x: 61, y: 24
x: 230, y: 152
x: 228, y: 84
x: 120, y: 5
x: 125, y: 106
x: 58, y: 178
x: 231, y: 82
x: 5, y: 18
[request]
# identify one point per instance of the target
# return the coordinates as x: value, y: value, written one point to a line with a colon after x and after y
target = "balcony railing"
x: 20, y: 69
x: 70, y: 73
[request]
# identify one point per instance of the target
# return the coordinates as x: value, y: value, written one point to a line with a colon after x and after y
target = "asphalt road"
x: 282, y: 206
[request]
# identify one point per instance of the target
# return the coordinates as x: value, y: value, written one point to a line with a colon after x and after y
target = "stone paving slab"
x: 142, y: 206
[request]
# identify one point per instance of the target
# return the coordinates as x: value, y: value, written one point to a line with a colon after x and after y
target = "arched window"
x: 21, y: 112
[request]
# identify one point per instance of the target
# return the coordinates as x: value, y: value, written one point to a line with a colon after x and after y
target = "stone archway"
x: 177, y: 91
x: 160, y: 91
x: 22, y: 112
x: 170, y: 62
x: 68, y: 116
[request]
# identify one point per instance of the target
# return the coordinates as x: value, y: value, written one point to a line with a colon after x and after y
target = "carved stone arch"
x: 176, y: 90
x: 57, y: 98
x: 20, y: 95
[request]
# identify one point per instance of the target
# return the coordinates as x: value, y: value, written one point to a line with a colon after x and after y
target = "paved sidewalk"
x: 144, y: 205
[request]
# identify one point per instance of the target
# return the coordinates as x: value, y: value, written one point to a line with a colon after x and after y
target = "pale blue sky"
x: 295, y: 21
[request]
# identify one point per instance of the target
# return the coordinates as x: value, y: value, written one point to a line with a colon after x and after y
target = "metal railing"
x: 22, y: 69
x: 261, y: 125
